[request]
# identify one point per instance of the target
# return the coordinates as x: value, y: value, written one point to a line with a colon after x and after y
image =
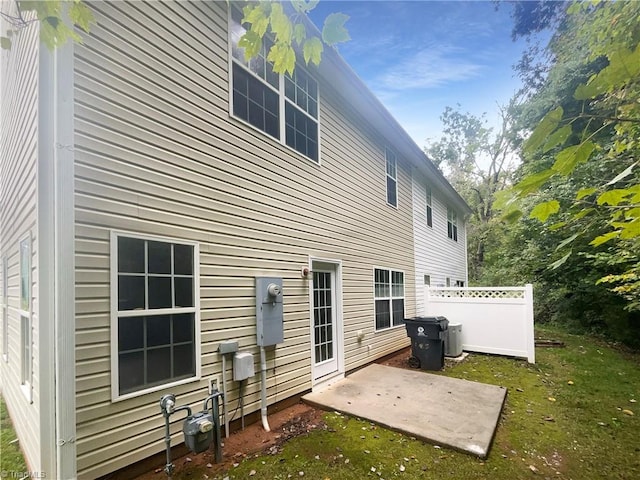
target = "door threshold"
x: 326, y: 382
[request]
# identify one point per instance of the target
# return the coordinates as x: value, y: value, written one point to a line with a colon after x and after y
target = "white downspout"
x: 263, y: 381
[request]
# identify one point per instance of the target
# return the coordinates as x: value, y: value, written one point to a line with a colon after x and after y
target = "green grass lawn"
x: 11, y: 459
x: 572, y: 415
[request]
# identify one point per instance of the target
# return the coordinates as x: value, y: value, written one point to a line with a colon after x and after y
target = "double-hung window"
x: 5, y: 309
x: 429, y: 208
x: 282, y: 106
x: 389, y: 298
x: 452, y: 224
x: 24, y: 312
x: 155, y: 315
x: 392, y: 178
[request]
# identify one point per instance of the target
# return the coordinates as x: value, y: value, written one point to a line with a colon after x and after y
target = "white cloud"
x: 428, y: 68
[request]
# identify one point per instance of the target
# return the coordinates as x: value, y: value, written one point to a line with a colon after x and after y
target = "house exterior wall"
x: 156, y: 153
x: 436, y: 254
x: 18, y: 221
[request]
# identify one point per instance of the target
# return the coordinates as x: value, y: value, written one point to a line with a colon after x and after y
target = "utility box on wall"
x: 269, y: 311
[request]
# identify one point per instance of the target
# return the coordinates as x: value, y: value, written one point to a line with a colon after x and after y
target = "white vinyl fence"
x: 495, y: 320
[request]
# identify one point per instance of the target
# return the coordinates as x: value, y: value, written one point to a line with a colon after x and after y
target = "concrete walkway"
x: 440, y: 410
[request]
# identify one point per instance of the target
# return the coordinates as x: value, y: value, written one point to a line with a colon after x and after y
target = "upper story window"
x: 429, y: 208
x: 452, y: 224
x: 392, y: 178
x: 282, y: 106
x: 388, y: 298
x: 155, y: 326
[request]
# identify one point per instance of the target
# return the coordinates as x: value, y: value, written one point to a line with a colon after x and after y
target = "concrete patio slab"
x: 445, y: 411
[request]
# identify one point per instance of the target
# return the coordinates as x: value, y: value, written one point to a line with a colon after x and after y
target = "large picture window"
x: 389, y: 298
x: 452, y: 224
x: 282, y: 106
x: 392, y: 178
x: 155, y: 320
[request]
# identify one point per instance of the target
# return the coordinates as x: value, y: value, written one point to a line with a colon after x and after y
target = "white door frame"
x: 336, y: 267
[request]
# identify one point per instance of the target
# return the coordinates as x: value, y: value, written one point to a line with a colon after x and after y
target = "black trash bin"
x: 427, y: 336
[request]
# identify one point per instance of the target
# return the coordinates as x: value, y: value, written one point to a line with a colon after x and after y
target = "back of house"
x: 151, y: 177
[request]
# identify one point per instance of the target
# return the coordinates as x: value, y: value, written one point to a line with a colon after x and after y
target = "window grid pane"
x: 154, y: 349
x: 257, y: 91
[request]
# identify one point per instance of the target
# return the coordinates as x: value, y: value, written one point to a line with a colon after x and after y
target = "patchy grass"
x: 570, y: 416
x: 11, y: 459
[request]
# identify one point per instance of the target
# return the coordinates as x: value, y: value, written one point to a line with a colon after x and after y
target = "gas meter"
x: 198, y: 431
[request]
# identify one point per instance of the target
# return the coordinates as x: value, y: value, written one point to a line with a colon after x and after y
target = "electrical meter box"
x: 198, y: 431
x: 269, y: 311
x: 242, y: 366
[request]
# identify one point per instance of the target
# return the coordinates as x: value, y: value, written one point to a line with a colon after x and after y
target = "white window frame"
x: 447, y: 282
x: 452, y: 224
x: 283, y: 99
x: 115, y: 387
x: 427, y: 280
x: 459, y: 283
x: 391, y: 164
x: 5, y: 308
x: 25, y: 307
x: 389, y: 297
x: 428, y: 206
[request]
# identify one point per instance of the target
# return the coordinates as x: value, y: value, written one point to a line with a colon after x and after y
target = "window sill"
x: 393, y: 327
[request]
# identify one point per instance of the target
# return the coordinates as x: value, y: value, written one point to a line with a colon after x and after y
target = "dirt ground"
x: 298, y: 419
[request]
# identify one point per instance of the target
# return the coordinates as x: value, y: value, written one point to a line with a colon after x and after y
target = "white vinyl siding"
x: 436, y: 255
x: 157, y: 153
x: 18, y: 221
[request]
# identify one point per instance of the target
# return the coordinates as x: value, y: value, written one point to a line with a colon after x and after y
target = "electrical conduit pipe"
x: 263, y: 381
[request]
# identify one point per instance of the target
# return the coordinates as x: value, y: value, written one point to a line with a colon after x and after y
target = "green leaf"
x: 583, y: 213
x: 283, y: 58
x: 544, y: 210
x: 613, y: 197
x: 312, y: 50
x: 532, y: 183
x: 252, y: 44
x: 299, y: 33
x: 557, y: 226
x: 568, y: 158
x: 334, y: 30
x: 631, y: 230
x: 5, y: 43
x: 81, y: 15
x: 546, y: 126
x: 512, y: 216
x: 585, y: 192
x: 567, y: 241
x: 280, y: 24
x: 604, y: 238
x: 560, y: 262
x: 557, y: 138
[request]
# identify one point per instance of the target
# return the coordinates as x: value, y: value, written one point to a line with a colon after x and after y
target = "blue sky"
x: 420, y: 56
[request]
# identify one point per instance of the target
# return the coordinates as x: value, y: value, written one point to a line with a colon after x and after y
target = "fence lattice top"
x: 463, y: 292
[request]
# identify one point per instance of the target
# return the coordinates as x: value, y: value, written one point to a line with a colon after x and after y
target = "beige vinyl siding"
x: 157, y: 153
x: 18, y: 220
x: 436, y: 254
